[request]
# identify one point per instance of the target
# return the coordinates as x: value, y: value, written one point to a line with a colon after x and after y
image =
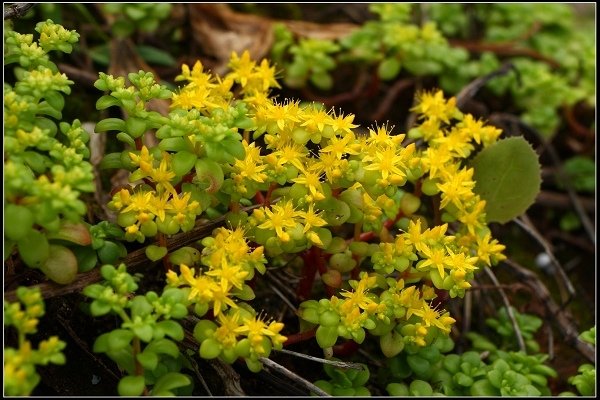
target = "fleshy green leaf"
x: 326, y: 336
x: 131, y: 386
x: 156, y: 56
x: 34, y: 249
x: 170, y: 381
x: 156, y: 253
x: 18, y: 221
x: 61, y: 265
x: 508, y: 178
x: 183, y: 162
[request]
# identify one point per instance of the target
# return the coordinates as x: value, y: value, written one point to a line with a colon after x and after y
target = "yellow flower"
x: 488, y: 247
x: 181, y: 207
x: 280, y: 216
x: 293, y: 153
x: 144, y: 160
x: 388, y: 162
x: 242, y: 68
x: 457, y: 189
x: 431, y: 317
x: 251, y: 166
x: 343, y: 125
x: 435, y: 258
x: 315, y: 119
x: 256, y: 330
x: 226, y: 333
x: 434, y: 106
x: 202, y: 286
x: 139, y: 201
x: 312, y: 180
x: 229, y: 275
x: 475, y: 218
x: 311, y: 218
x: 163, y: 175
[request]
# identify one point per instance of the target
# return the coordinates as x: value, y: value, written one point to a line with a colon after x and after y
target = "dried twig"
x: 391, y: 95
x: 17, y: 10
x: 134, y: 261
x: 528, y: 227
x: 472, y: 88
x: 509, y: 310
x: 281, y: 369
x: 557, y: 314
x: 230, y: 378
x: 199, y: 375
x: 340, y: 364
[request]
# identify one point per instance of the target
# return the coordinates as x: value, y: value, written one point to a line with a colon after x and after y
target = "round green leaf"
x: 155, y: 253
x: 389, y: 68
x: 61, y: 265
x: 326, y: 336
x: 170, y: 381
x: 131, y: 386
x: 508, y: 178
x: 18, y: 221
x: 34, y: 249
x: 183, y: 162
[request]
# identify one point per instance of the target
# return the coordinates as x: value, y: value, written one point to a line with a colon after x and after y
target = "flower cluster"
x: 237, y: 330
x: 46, y: 171
x: 20, y: 376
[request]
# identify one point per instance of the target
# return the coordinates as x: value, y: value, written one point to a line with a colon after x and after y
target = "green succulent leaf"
x: 131, y: 386
x: 61, y: 265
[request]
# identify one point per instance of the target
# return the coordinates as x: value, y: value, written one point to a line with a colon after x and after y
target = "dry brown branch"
x: 469, y: 91
x: 391, y: 95
x: 17, y: 10
x: 503, y: 49
x: 509, y: 310
x: 564, y: 283
x: 554, y: 312
x: 294, y: 377
x: 134, y: 261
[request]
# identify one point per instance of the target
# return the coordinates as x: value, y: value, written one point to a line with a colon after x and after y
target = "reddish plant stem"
x: 418, y: 185
x: 259, y: 198
x: 437, y: 213
x: 308, y: 275
x: 345, y: 349
x: 162, y: 242
x: 187, y: 178
x: 138, y: 143
x: 267, y: 201
x: 355, y: 273
x: 300, y: 337
x: 319, y: 259
x: 139, y: 370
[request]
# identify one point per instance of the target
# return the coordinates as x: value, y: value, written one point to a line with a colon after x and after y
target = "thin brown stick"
x: 561, y: 200
x: 528, y: 227
x: 134, y: 261
x: 198, y: 374
x: 509, y: 310
x: 554, y: 312
x: 503, y: 49
x: 294, y: 377
x: 472, y: 88
x: 391, y: 95
x: 340, y: 364
x: 17, y: 10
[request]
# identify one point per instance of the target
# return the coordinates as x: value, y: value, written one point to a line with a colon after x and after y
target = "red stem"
x: 300, y: 337
x: 259, y: 198
x: 345, y: 349
x: 308, y: 275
